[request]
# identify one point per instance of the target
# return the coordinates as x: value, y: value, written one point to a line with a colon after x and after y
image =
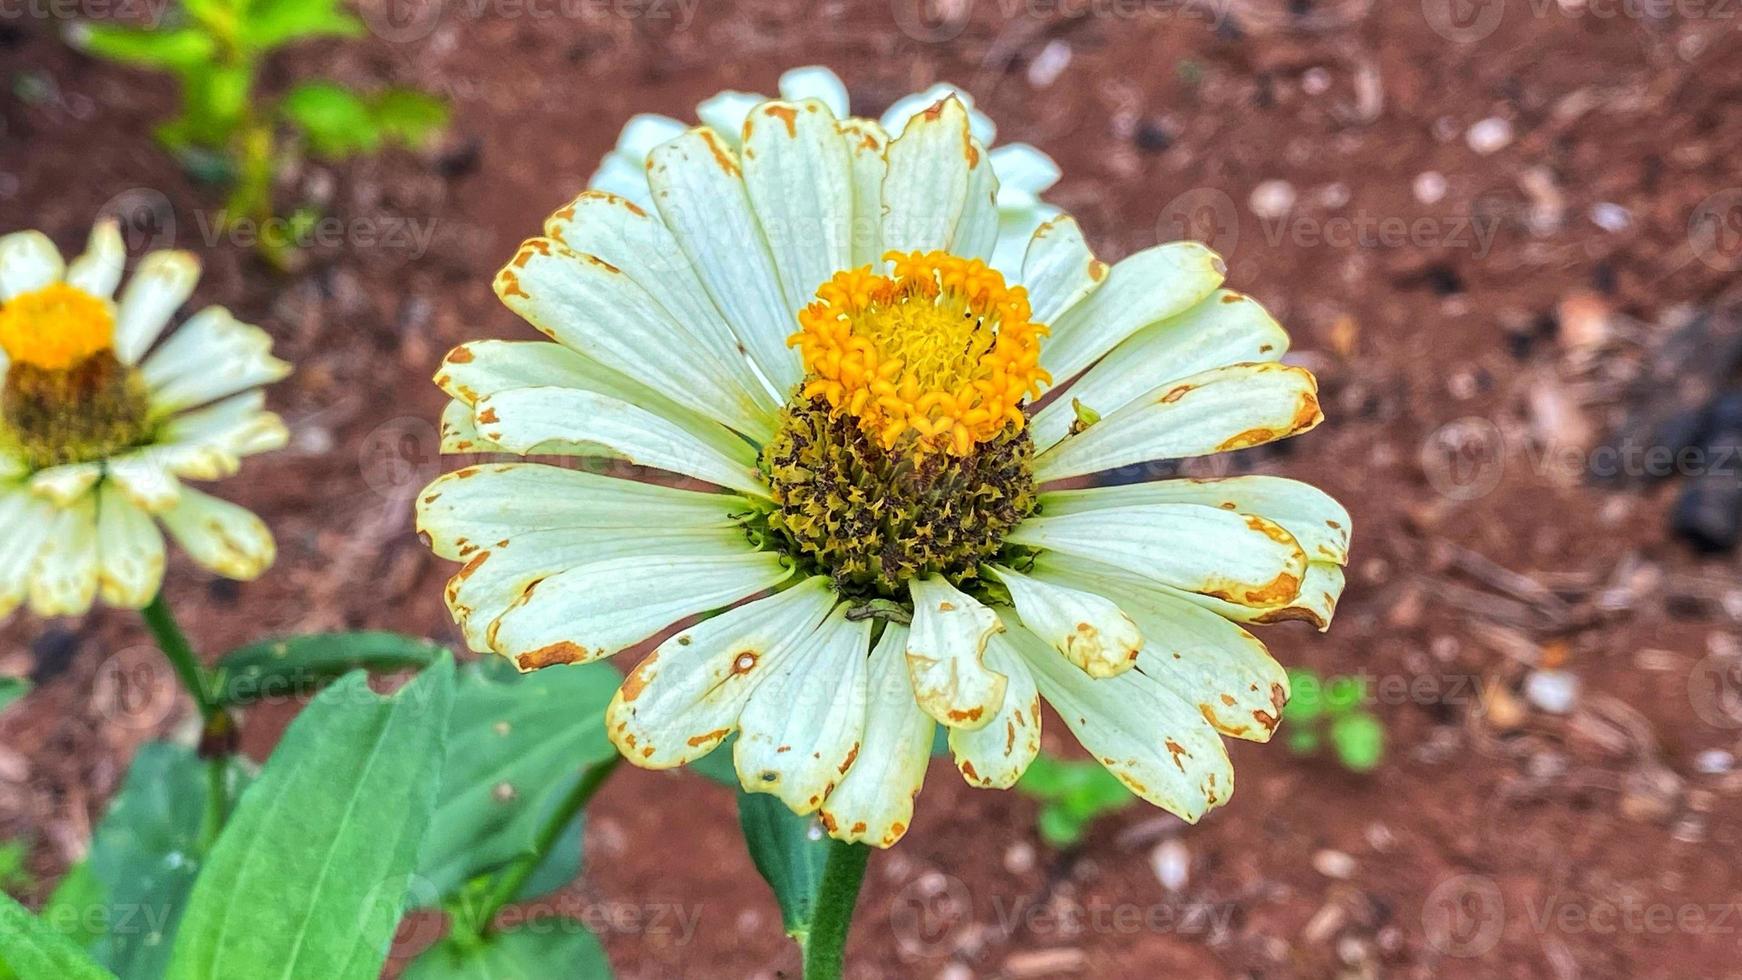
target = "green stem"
x: 512, y: 878
x: 174, y: 644
x: 218, y: 727
x: 825, y: 953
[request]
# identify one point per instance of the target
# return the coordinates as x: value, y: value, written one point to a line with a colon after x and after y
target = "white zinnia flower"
x: 890, y: 544
x: 96, y: 434
x: 1024, y: 173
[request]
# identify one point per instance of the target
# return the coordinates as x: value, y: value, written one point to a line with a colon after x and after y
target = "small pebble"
x: 1491, y: 135
x: 1334, y: 864
x: 955, y: 971
x: 1430, y: 187
x: 1049, y: 64
x: 1019, y: 858
x: 1714, y: 762
x: 1172, y: 864
x: 1611, y: 217
x: 1315, y: 81
x: 1272, y: 199
x: 1553, y: 691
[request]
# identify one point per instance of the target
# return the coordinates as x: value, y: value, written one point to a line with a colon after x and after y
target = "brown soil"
x: 1496, y: 840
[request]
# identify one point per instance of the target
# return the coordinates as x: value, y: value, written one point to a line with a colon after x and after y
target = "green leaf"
x: 272, y: 23
x: 1059, y: 827
x: 517, y: 745
x: 11, y: 689
x: 1359, y: 740
x: 409, y: 116
x: 536, y: 951
x: 310, y: 876
x: 789, y: 852
x: 1303, y: 740
x: 213, y: 99
x: 1306, y: 700
x: 1344, y: 694
x: 75, y: 909
x: 300, y: 664
x: 31, y: 950
x: 144, y: 858
x: 178, y: 50
x: 337, y: 121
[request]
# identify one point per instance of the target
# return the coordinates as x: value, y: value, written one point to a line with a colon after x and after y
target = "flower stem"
x: 174, y: 644
x: 825, y: 952
x: 512, y: 878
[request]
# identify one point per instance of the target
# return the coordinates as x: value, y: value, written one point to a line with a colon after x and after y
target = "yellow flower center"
x: 55, y: 327
x: 940, y: 348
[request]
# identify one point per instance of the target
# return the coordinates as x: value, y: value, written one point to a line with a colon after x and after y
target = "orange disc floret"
x: 940, y: 348
x: 55, y: 327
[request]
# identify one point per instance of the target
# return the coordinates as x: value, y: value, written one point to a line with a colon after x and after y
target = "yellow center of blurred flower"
x: 941, y: 348
x: 55, y: 327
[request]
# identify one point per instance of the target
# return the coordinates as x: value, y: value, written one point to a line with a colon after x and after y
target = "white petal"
x: 592, y: 306
x: 867, y: 146
x: 1197, y: 653
x: 160, y: 285
x: 995, y: 756
x: 530, y: 421
x: 65, y: 484
x: 815, y: 82
x: 1089, y: 629
x: 699, y: 190
x: 64, y: 581
x: 1059, y: 271
x: 1316, y: 603
x: 724, y: 112
x: 684, y: 698
x: 602, y: 608
x: 1216, y: 411
x: 1152, y: 285
x: 131, y: 547
x: 236, y: 427
x: 1318, y: 522
x: 1225, y: 328
x: 801, y: 729
x: 1155, y: 743
x: 474, y: 507
x: 210, y: 356
x: 621, y: 178
x: 1016, y: 227
x: 1237, y: 557
x: 28, y: 262
x: 98, y: 271
x: 25, y: 523
x: 977, y: 231
x: 896, y: 117
x: 874, y: 803
x: 638, y: 243
x: 143, y: 476
x: 459, y: 434
x: 799, y: 177
x: 950, y: 681
x: 1024, y: 173
x: 927, y: 188
x: 221, y: 536
x: 643, y: 132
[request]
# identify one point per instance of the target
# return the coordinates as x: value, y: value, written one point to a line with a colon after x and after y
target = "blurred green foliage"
x: 1330, y: 712
x: 1072, y: 793
x: 228, y: 131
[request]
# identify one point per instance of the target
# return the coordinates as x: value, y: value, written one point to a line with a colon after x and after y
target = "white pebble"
x: 1172, y: 864
x: 1049, y: 64
x: 1714, y: 762
x: 1611, y: 217
x: 1334, y: 864
x: 1019, y: 858
x: 1489, y: 136
x: 1430, y: 187
x: 1553, y: 691
x: 1272, y: 199
x: 1315, y: 81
